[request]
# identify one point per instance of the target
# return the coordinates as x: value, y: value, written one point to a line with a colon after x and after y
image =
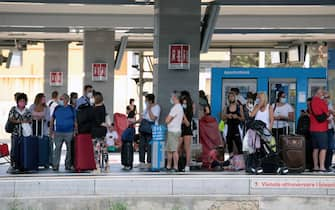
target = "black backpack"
x: 303, y: 125
x: 85, y: 118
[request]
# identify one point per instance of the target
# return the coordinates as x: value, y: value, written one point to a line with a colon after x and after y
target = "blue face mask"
x: 283, y: 100
x: 257, y: 101
x: 61, y: 102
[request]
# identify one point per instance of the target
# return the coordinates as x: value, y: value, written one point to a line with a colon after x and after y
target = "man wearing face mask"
x: 283, y: 114
x: 150, y: 116
x: 62, y: 127
x: 87, y: 97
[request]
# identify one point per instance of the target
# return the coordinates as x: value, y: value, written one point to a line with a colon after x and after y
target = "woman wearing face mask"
x: 73, y: 99
x: 17, y: 115
x: 283, y: 114
x: 186, y: 130
x: 263, y: 111
x: 233, y: 115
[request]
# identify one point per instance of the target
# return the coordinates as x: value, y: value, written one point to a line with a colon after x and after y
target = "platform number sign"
x: 179, y: 56
x: 99, y: 72
x: 56, y: 78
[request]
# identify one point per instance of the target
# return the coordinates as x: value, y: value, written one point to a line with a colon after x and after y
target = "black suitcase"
x: 127, y: 154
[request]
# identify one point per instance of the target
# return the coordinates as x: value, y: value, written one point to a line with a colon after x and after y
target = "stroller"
x: 262, y: 153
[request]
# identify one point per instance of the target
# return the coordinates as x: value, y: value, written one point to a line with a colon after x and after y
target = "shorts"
x: 186, y: 131
x: 172, y: 141
x: 319, y: 140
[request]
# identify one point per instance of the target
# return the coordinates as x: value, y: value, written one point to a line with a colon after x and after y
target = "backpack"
x: 303, y: 125
x: 85, y: 118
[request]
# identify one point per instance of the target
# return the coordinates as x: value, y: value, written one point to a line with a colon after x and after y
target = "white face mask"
x: 92, y: 101
x: 89, y: 95
x: 171, y: 101
x: 185, y: 106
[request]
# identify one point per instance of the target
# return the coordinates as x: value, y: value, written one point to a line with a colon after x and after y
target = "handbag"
x: 9, y: 127
x: 145, y: 126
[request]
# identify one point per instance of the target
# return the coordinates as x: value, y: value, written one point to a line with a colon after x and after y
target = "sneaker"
x: 187, y: 169
x: 97, y: 171
x: 141, y: 166
x: 173, y: 170
x: 148, y: 165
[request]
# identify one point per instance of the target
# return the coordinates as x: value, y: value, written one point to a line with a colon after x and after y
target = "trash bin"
x: 158, y: 147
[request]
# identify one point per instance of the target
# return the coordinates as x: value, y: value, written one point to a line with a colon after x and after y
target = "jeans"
x: 145, y: 147
x: 329, y: 154
x: 59, y: 139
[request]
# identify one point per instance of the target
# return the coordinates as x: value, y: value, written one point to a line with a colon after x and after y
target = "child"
x: 216, y: 158
x: 111, y: 137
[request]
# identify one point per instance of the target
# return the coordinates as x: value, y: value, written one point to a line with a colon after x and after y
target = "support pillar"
x: 176, y: 22
x: 99, y: 47
x: 55, y: 60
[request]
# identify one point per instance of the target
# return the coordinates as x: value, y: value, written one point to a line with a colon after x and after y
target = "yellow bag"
x: 221, y: 125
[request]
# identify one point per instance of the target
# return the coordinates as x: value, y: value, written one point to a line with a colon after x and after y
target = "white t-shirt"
x: 156, y: 110
x: 264, y: 116
x: 52, y: 106
x: 177, y: 114
x: 111, y: 137
x: 281, y: 111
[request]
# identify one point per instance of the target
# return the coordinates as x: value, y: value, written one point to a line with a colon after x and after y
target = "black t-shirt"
x: 131, y: 113
x: 99, y: 117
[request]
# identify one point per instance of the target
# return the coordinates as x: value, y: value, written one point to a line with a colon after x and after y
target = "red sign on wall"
x: 99, y: 72
x: 179, y: 56
x: 56, y: 78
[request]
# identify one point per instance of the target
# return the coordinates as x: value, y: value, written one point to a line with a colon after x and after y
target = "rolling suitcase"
x: 43, y: 143
x: 127, y: 154
x: 83, y: 153
x: 292, y: 150
x: 28, y: 153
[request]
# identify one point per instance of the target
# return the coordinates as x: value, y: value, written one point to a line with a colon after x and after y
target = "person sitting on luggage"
x: 216, y: 158
x: 111, y: 138
x: 99, y: 130
x: 174, y: 121
x: 17, y: 115
x: 149, y: 116
x: 234, y: 115
x: 62, y: 127
x: 283, y: 114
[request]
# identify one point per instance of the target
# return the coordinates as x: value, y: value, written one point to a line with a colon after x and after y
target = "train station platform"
x: 139, y: 190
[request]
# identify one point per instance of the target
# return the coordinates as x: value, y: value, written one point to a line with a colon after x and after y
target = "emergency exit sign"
x: 99, y: 72
x: 56, y: 78
x: 179, y: 56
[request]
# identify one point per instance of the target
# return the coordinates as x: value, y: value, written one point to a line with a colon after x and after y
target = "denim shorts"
x: 319, y: 140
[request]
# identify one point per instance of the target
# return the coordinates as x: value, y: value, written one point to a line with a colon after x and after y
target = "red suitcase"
x: 120, y: 125
x: 83, y: 153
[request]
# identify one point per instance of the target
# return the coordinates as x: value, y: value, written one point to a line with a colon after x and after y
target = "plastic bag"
x: 26, y: 130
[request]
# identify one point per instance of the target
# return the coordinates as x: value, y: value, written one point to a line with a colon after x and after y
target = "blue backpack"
x: 128, y: 135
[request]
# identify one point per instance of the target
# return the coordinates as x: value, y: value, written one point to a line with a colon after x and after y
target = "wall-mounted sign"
x: 179, y: 56
x: 56, y: 78
x: 99, y: 72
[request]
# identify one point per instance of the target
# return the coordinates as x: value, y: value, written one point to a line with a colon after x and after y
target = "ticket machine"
x: 297, y: 83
